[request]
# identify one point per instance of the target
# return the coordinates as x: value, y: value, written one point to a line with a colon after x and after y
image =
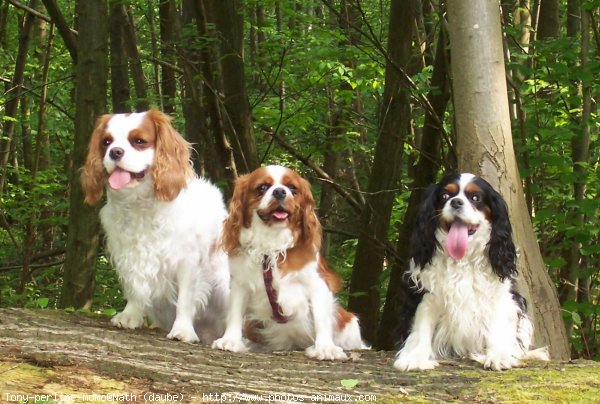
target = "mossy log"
x: 77, y: 357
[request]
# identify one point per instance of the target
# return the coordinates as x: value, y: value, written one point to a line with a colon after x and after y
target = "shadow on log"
x: 81, y: 357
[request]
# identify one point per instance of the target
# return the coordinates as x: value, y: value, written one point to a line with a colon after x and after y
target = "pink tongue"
x: 119, y: 178
x: 280, y: 215
x: 456, y: 241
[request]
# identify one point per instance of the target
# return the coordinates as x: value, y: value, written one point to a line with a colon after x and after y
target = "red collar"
x: 271, y: 292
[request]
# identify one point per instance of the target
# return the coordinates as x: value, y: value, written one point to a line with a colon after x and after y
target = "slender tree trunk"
x: 169, y: 27
x: 238, y: 118
x: 385, y: 175
x: 340, y: 120
x: 400, y: 303
x: 63, y: 28
x: 213, y: 103
x: 571, y: 288
x: 13, y: 95
x: 90, y: 102
x: 119, y: 68
x: 137, y: 73
x: 39, y: 158
x: 195, y: 129
x: 484, y: 147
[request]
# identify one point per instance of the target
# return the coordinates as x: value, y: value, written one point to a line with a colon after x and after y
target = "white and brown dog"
x: 282, y: 292
x: 162, y: 225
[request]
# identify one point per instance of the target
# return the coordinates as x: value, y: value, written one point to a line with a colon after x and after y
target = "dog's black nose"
x: 456, y: 203
x: 116, y: 153
x: 279, y: 194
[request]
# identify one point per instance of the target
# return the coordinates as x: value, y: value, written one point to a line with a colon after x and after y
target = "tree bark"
x: 238, y: 118
x: 400, y: 304
x: 13, y: 95
x: 119, y: 68
x: 385, y: 175
x: 484, y: 147
x: 212, y: 87
x: 137, y: 72
x: 169, y: 27
x: 51, y: 351
x: 90, y: 102
x: 194, y: 111
x: 572, y: 287
x: 548, y: 25
x: 63, y: 28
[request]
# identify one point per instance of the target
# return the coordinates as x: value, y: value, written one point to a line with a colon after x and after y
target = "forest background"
x: 357, y: 95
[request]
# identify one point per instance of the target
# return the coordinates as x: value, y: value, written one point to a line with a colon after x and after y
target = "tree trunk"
x: 385, y: 175
x: 90, y: 102
x: 213, y: 103
x: 548, y: 26
x: 63, y: 28
x: 573, y: 287
x: 137, y: 73
x: 484, y: 147
x: 13, y: 95
x: 169, y: 23
x: 119, y: 69
x: 238, y: 118
x: 51, y: 351
x: 196, y: 128
x: 400, y: 304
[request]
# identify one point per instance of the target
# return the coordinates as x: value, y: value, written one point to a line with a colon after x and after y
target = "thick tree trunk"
x: 548, y: 23
x: 484, y: 146
x: 385, y: 175
x: 90, y: 102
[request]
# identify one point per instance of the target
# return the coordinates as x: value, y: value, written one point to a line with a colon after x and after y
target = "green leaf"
x: 349, y: 383
x: 110, y: 312
x: 42, y: 302
x: 576, y: 318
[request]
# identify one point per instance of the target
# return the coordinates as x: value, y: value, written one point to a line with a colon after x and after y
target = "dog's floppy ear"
x: 239, y: 217
x: 171, y: 169
x: 501, y: 249
x: 422, y: 241
x: 311, y: 227
x: 92, y: 173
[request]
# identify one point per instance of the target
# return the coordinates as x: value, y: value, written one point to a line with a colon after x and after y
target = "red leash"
x: 271, y: 292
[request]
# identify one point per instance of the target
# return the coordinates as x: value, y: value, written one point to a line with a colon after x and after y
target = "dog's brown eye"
x: 475, y: 197
x: 292, y: 188
x: 262, y: 188
x: 445, y: 196
x: 106, y: 142
x: 139, y: 141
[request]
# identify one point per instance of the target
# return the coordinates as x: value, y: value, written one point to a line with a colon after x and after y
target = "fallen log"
x: 55, y: 356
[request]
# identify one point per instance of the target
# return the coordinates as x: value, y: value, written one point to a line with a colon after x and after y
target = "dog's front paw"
x: 329, y: 352
x: 128, y: 320
x: 183, y: 334
x: 497, y: 360
x: 229, y: 344
x: 407, y: 361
